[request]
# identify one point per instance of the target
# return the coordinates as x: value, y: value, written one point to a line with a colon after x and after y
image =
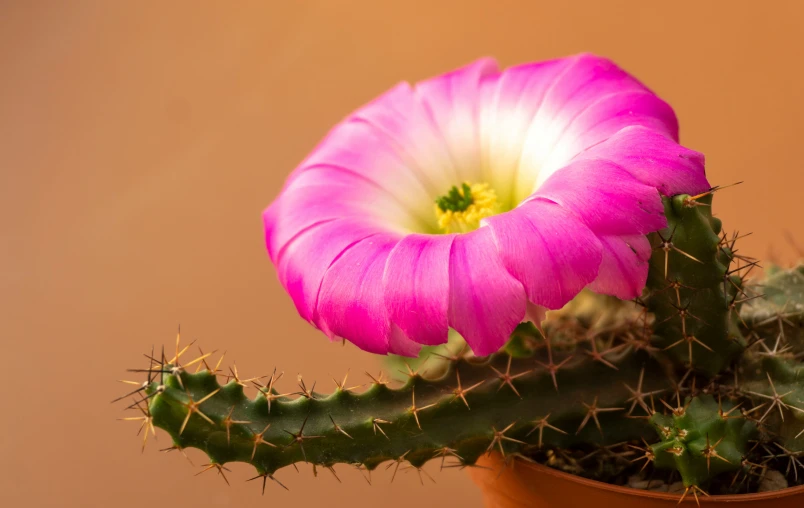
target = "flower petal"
x: 624, y: 269
x: 606, y: 197
x: 400, y: 344
x: 485, y: 301
x: 350, y: 304
x: 510, y: 104
x: 653, y: 159
x: 303, y: 260
x: 453, y: 102
x: 416, y: 287
x: 579, y: 86
x: 604, y: 118
x: 359, y: 148
x: 549, y: 250
x: 323, y: 193
x: 402, y: 121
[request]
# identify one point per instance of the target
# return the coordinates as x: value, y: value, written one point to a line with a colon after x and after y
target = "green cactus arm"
x: 701, y: 439
x: 775, y: 307
x: 775, y: 384
x: 691, y: 289
x: 502, y: 403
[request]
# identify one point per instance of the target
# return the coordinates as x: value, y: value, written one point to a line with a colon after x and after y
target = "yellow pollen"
x: 484, y: 204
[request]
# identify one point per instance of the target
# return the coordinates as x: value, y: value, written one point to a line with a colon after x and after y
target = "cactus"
x: 702, y: 375
x: 700, y: 439
x: 496, y: 403
x: 695, y: 287
x: 776, y: 308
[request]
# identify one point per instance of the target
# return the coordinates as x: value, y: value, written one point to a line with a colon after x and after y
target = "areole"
x: 536, y: 486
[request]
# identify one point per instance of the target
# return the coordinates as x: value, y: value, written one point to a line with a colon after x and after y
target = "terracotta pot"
x: 537, y: 486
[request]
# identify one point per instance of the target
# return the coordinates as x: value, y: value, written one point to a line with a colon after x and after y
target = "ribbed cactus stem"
x: 501, y: 403
x: 694, y: 285
x: 701, y: 438
x: 775, y: 384
x: 775, y: 309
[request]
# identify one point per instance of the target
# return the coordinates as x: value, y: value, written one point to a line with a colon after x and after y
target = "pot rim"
x: 731, y: 498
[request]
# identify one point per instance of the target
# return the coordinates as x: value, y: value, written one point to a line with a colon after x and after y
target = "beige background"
x: 139, y: 142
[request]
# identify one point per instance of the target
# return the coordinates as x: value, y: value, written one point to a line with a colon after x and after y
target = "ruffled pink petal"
x: 548, y: 249
x: 357, y: 147
x: 604, y: 118
x: 321, y: 194
x: 583, y: 83
x: 350, y: 303
x: 304, y: 259
x: 416, y: 287
x: 653, y: 159
x: 624, y: 269
x: 606, y: 198
x: 485, y: 301
x: 400, y: 344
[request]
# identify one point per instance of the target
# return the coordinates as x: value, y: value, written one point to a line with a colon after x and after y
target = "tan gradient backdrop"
x: 139, y: 142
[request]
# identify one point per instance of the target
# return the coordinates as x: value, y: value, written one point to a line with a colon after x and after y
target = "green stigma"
x: 456, y: 200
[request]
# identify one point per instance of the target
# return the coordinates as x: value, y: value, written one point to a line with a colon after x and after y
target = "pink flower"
x: 460, y: 201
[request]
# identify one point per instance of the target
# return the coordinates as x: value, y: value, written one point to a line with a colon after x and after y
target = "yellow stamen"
x: 483, y: 204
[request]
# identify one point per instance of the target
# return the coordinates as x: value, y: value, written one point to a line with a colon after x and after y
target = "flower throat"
x: 461, y: 209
